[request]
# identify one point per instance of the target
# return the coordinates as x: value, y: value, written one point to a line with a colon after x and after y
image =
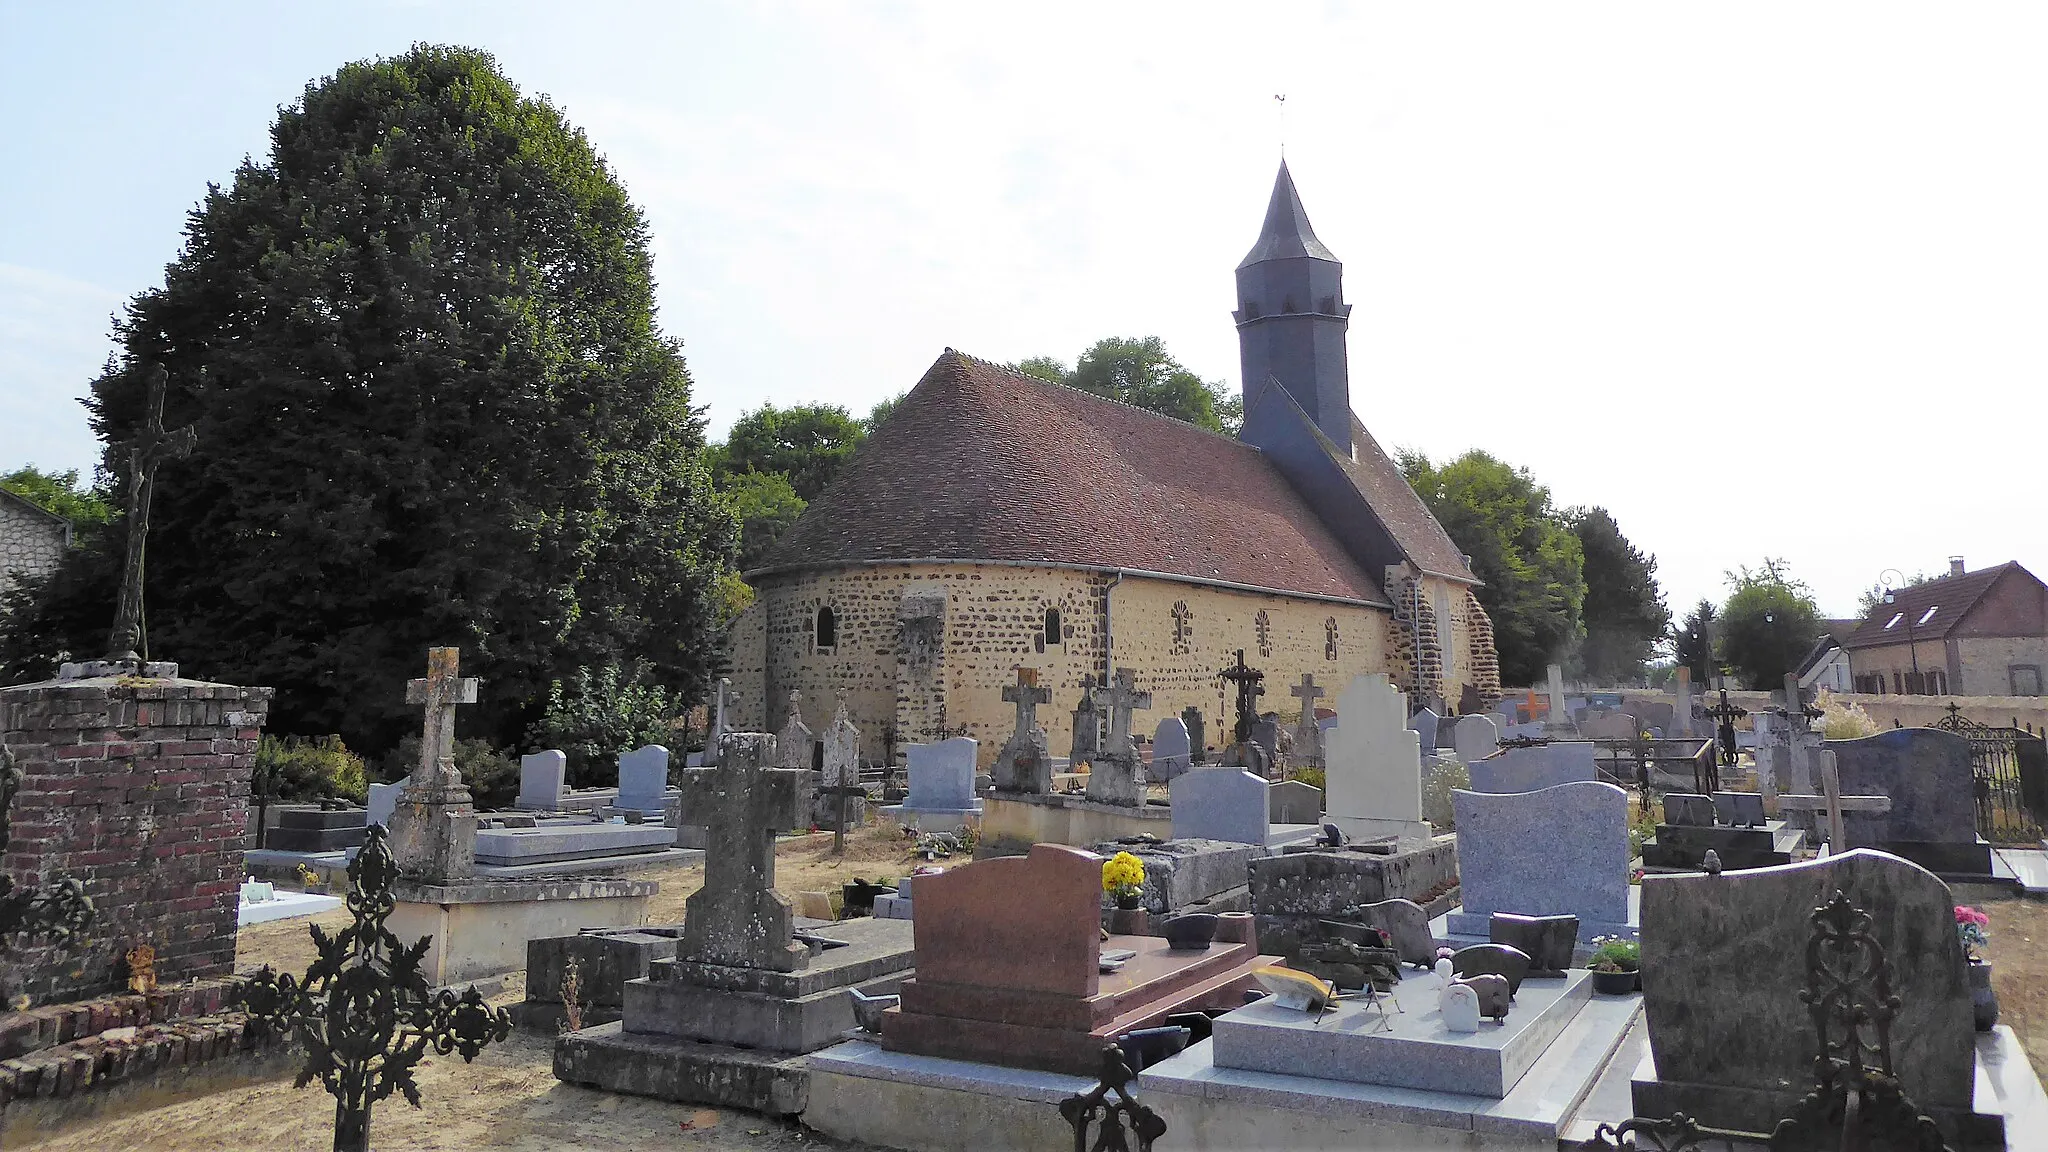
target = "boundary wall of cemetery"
x: 1908, y: 711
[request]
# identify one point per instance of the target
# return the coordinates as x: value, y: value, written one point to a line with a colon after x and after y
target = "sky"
x: 1760, y: 279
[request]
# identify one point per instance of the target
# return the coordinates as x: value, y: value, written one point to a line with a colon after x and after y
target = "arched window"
x: 1052, y: 625
x: 825, y: 632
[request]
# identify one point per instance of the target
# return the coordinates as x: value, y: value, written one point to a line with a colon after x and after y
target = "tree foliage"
x: 1140, y: 372
x: 1532, y: 564
x: 1693, y: 642
x: 59, y: 492
x: 807, y: 445
x: 1768, y: 625
x: 766, y: 504
x: 434, y: 408
x: 597, y: 714
x: 1624, y: 613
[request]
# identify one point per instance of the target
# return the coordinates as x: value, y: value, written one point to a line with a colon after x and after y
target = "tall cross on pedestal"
x: 1027, y: 696
x: 737, y: 918
x: 1250, y: 686
x: 1834, y: 803
x: 151, y: 447
x: 1122, y: 695
x: 443, y: 688
x: 1308, y: 694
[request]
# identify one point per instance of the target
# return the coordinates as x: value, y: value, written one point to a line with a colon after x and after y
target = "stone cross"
x: 1834, y: 803
x: 1025, y: 763
x: 1308, y: 738
x: 433, y: 825
x: 794, y: 742
x: 438, y: 694
x: 151, y: 447
x: 1250, y: 687
x: 721, y: 694
x: 738, y: 919
x: 1027, y: 696
x: 841, y: 777
x: 1122, y: 695
x: 1087, y: 727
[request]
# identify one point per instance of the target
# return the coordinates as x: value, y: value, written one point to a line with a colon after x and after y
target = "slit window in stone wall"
x: 1052, y: 625
x: 1183, y: 628
x: 1330, y: 638
x: 825, y: 630
x: 1262, y: 628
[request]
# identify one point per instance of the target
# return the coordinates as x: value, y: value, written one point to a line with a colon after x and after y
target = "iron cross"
x: 152, y: 446
x: 438, y: 694
x: 1250, y: 687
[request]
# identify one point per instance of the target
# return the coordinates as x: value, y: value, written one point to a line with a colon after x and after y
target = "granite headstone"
x: 1294, y: 802
x: 1475, y: 738
x: 1927, y: 774
x: 942, y: 775
x: 1534, y: 768
x: 1226, y: 804
x: 643, y: 778
x: 1559, y: 851
x: 540, y: 781
x: 1687, y: 810
x: 1172, y: 750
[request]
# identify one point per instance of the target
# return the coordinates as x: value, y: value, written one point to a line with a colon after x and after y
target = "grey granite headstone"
x: 1926, y: 773
x: 1560, y: 851
x: 1548, y: 940
x: 540, y: 781
x: 1534, y: 768
x: 1687, y: 810
x: 1613, y: 726
x: 1172, y: 751
x: 643, y: 778
x: 1406, y: 923
x: 1293, y: 802
x: 1739, y: 809
x: 1266, y: 734
x: 1475, y: 738
x: 1226, y: 804
x: 1724, y: 960
x: 942, y: 775
x: 1654, y: 714
x: 1424, y: 725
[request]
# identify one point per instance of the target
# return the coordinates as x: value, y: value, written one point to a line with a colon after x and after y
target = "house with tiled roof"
x: 1981, y: 633
x: 996, y: 521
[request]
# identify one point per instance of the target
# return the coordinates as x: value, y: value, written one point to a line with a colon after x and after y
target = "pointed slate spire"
x: 1286, y: 233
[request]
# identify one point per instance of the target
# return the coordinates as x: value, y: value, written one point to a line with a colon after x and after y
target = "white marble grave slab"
x: 1373, y: 764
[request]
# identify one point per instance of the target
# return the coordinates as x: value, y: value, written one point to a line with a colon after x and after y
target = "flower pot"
x: 1614, y: 983
x: 1129, y: 921
x: 1983, y: 1001
x: 1235, y: 927
x: 1190, y: 933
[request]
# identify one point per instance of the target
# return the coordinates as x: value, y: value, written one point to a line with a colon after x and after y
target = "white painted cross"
x: 1834, y: 803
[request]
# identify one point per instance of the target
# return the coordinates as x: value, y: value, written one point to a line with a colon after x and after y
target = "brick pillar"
x: 139, y: 788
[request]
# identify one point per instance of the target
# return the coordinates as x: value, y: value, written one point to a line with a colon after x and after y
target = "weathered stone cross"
x: 152, y: 446
x: 1834, y: 803
x: 1027, y: 696
x: 443, y: 688
x: 1122, y: 695
x: 1308, y: 694
x: 737, y: 918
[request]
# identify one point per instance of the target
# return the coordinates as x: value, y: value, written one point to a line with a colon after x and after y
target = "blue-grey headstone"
x: 643, y: 778
x: 1475, y: 738
x: 1219, y: 804
x: 1534, y: 768
x: 1266, y: 734
x: 1424, y: 724
x: 540, y: 780
x: 1739, y: 809
x: 1172, y: 750
x: 941, y: 774
x: 1686, y: 810
x: 1293, y: 802
x: 1926, y: 773
x: 384, y: 800
x: 1560, y: 851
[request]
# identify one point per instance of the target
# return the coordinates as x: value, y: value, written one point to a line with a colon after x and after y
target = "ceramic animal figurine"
x: 1494, y: 996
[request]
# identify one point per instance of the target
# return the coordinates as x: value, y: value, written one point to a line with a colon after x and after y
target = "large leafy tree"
x: 1768, y: 625
x: 1140, y: 372
x: 766, y: 505
x: 1624, y: 613
x: 807, y: 444
x: 59, y: 492
x: 1531, y: 562
x: 1693, y: 642
x: 434, y: 408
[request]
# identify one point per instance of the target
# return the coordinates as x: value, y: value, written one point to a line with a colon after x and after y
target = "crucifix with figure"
x: 1832, y: 802
x: 738, y: 919
x: 151, y: 447
x: 1250, y: 684
x: 433, y: 827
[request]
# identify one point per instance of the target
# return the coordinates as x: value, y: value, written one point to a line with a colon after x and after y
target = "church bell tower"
x: 1291, y: 317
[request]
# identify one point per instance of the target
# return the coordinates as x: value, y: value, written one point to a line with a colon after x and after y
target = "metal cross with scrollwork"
x: 1727, y: 714
x: 1124, y: 1125
x: 363, y: 1011
x: 151, y: 447
x: 54, y: 914
x: 1250, y: 686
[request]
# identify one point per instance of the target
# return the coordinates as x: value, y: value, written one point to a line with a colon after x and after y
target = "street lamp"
x: 1889, y: 580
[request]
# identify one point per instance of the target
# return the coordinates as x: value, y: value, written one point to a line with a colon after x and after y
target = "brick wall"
x: 139, y: 788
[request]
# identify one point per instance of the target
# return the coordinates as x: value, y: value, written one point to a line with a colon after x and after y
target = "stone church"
x: 997, y: 521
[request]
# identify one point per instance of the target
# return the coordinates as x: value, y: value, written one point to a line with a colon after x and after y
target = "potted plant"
x: 1970, y: 928
x: 1616, y: 965
x: 1123, y: 877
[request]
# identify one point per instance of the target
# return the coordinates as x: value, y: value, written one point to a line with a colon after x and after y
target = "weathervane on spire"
x: 1280, y: 98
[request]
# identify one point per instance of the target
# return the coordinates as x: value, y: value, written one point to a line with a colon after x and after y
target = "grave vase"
x: 1983, y: 1001
x: 1129, y: 921
x: 1614, y: 983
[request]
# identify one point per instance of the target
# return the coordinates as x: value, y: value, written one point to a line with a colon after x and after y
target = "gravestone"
x: 1470, y: 702
x: 541, y: 776
x: 1613, y: 726
x: 1118, y: 776
x: 1653, y: 715
x: 1927, y: 775
x: 1560, y: 709
x: 1534, y: 768
x: 942, y: 775
x: 1685, y: 810
x: 794, y: 745
x: 1308, y: 735
x: 1025, y: 762
x: 1724, y: 961
x: 841, y: 802
x: 383, y: 799
x: 1739, y: 809
x: 738, y: 919
x: 1172, y: 753
x: 1294, y: 802
x: 643, y: 779
x: 1226, y: 804
x: 433, y: 825
x: 1373, y: 773
x: 1424, y: 724
x: 1198, y: 733
x: 1406, y: 924
x: 1561, y: 851
x: 1475, y: 738
x: 1548, y: 940
x: 1266, y: 734
x: 1087, y: 729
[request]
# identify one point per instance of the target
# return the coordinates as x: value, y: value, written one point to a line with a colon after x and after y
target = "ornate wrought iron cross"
x: 363, y: 1011
x: 53, y: 914
x: 152, y: 446
x: 1121, y: 1126
x: 1250, y: 686
x: 1727, y: 714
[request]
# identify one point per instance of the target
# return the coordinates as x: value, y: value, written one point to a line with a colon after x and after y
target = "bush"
x: 1843, y: 720
x: 1313, y: 777
x: 600, y: 713
x: 492, y: 774
x: 292, y: 768
x: 1437, y: 784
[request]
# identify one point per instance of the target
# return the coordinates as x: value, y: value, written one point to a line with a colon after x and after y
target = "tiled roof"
x: 1931, y: 609
x: 980, y: 462
x: 1414, y: 528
